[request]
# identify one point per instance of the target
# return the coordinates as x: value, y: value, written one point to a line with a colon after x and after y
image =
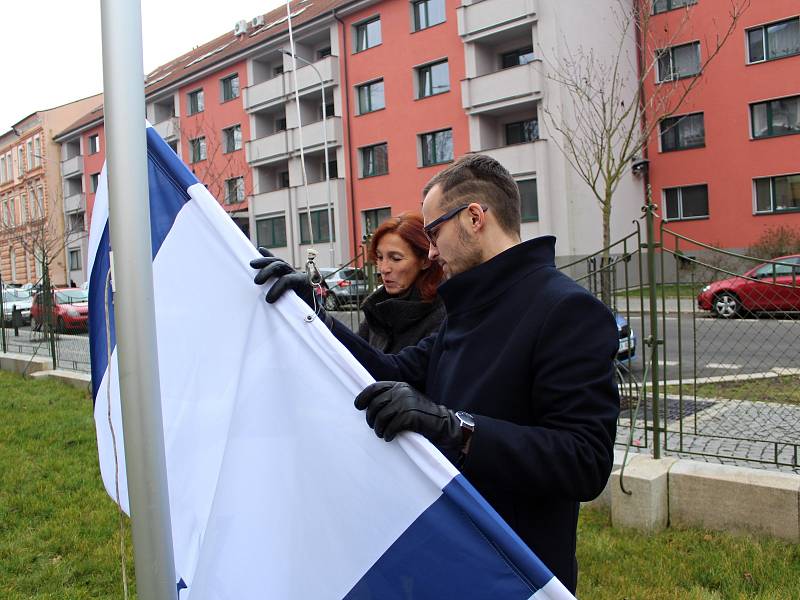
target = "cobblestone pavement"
x: 737, y: 432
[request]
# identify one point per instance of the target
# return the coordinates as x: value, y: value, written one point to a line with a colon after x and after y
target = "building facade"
x: 725, y: 167
x: 32, y: 227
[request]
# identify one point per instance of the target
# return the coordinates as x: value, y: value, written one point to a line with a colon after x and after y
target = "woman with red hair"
x: 405, y: 308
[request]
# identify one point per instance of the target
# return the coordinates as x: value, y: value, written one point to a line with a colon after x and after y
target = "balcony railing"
x: 275, y: 90
x: 314, y: 134
x: 168, y: 129
x: 477, y: 18
x: 75, y: 203
x: 266, y: 149
x: 72, y: 166
x: 519, y: 159
x: 502, y: 88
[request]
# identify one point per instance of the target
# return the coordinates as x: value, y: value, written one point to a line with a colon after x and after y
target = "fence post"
x: 48, y: 311
x: 653, y: 339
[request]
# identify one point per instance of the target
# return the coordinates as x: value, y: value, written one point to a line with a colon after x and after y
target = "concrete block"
x: 82, y: 381
x: 23, y: 363
x: 603, y: 501
x: 647, y: 508
x: 735, y: 499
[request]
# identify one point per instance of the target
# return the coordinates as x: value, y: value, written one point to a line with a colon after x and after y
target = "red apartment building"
x: 727, y: 166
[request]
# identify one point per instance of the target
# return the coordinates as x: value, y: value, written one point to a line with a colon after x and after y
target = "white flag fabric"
x: 277, y: 486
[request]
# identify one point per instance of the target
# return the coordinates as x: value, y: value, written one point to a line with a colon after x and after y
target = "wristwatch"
x: 467, y: 423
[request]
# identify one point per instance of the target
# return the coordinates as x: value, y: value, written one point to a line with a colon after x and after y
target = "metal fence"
x: 709, y: 361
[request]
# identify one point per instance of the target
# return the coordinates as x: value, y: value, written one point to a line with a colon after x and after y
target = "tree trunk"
x: 605, y: 259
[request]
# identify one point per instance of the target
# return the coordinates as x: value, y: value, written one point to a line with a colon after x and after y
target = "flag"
x: 277, y: 486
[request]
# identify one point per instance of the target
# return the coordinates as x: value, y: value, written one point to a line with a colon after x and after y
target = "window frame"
x: 416, y: 20
x: 428, y: 68
x: 672, y: 75
x: 421, y: 142
x: 222, y: 83
x: 685, y: 4
x: 365, y: 24
x: 273, y: 219
x: 94, y: 146
x: 674, y: 129
x: 523, y: 217
x: 201, y: 144
x: 364, y: 86
x: 519, y: 52
x: 524, y: 141
x: 764, y: 28
x: 200, y: 94
x: 363, y: 151
x: 769, y: 118
x: 680, y: 190
x: 772, y: 210
x: 94, y: 182
x: 367, y: 213
x: 316, y: 220
x: 233, y: 129
x: 238, y: 182
x: 75, y: 252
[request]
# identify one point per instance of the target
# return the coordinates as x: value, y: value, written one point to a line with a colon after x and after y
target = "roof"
x: 219, y: 50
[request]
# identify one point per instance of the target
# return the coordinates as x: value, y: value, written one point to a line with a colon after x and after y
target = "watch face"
x: 466, y: 419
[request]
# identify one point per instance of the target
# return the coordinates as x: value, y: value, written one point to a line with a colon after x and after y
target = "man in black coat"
x: 517, y: 387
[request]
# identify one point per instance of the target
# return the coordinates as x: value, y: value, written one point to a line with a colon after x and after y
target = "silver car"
x: 344, y: 286
x: 19, y: 298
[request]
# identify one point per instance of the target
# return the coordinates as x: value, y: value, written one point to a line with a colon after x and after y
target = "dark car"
x: 769, y: 287
x: 627, y: 339
x: 345, y: 286
x: 69, y: 309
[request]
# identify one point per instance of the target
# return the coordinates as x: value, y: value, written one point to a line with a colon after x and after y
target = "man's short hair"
x: 487, y: 181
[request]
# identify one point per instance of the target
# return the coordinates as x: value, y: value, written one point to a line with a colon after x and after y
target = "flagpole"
x: 134, y: 313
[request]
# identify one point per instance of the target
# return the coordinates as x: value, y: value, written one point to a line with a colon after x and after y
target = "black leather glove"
x: 394, y: 406
x: 288, y: 279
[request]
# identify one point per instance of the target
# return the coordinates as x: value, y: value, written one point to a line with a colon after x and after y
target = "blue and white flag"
x: 277, y: 486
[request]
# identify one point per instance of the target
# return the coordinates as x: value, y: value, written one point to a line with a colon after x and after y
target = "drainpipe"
x: 343, y: 57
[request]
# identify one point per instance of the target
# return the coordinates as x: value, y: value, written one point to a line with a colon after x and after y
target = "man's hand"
x: 394, y: 406
x: 288, y: 279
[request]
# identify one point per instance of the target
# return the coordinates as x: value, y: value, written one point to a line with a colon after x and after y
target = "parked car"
x: 627, y: 338
x: 344, y: 286
x: 70, y: 310
x: 19, y: 298
x: 765, y: 288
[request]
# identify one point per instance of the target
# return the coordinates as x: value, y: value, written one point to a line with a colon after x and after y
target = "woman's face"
x: 397, y: 263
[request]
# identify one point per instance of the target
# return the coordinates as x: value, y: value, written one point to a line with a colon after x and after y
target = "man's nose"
x: 433, y: 253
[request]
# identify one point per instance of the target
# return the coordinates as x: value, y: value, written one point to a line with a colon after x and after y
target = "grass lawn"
x: 59, y: 530
x: 784, y: 389
x: 670, y: 290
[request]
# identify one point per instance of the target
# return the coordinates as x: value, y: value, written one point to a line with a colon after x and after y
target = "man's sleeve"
x: 410, y: 365
x: 568, y: 453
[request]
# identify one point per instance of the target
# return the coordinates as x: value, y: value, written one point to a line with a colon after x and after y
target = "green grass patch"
x: 669, y: 290
x: 617, y: 564
x: 59, y: 531
x: 784, y: 389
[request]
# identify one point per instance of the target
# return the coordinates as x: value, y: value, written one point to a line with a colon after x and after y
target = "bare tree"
x: 612, y: 113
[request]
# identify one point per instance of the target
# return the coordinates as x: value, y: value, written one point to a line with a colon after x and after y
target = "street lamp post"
x: 325, y: 149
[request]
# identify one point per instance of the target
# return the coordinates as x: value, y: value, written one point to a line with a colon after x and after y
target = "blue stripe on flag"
x: 168, y: 181
x: 488, y: 560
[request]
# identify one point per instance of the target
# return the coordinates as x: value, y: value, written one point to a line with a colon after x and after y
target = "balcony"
x: 314, y: 134
x: 318, y: 194
x: 168, y: 129
x: 519, y: 159
x: 75, y: 203
x: 270, y: 202
x: 267, y: 149
x: 502, y: 89
x: 72, y: 166
x: 479, y: 18
x: 262, y: 95
x: 307, y: 80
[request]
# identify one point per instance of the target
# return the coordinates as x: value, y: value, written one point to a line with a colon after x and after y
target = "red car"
x: 766, y: 288
x: 70, y: 310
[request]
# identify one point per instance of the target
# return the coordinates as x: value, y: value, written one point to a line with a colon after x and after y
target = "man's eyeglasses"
x: 431, y: 228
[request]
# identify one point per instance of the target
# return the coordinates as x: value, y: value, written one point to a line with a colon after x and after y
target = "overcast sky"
x: 51, y: 49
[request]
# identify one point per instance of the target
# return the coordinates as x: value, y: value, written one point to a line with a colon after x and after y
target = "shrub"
x: 776, y: 241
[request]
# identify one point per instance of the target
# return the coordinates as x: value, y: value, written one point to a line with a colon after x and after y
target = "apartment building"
x: 31, y: 200
x: 725, y: 167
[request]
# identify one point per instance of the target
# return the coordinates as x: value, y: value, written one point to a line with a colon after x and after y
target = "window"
x: 277, y: 71
x: 20, y: 161
x: 23, y: 208
x: 323, y: 52
x: 94, y: 181
x: 777, y: 194
x: 775, y: 117
x: 678, y: 61
x: 280, y: 124
x: 370, y: 219
x: 232, y: 139
x: 271, y: 232
x: 368, y: 34
x: 370, y: 97
x: 374, y: 160
x: 522, y: 131
x: 9, y: 167
x: 333, y: 169
x: 319, y: 226
x: 680, y: 133
x: 229, y: 87
x: 428, y: 13
x: 283, y: 180
x: 690, y: 202
x: 197, y: 103
x: 37, y: 149
x: 197, y: 149
x: 776, y: 40
x: 660, y: 6
x: 520, y: 56
x: 94, y: 143
x: 433, y: 79
x: 75, y: 260
x: 75, y: 222
x: 529, y: 200
x: 329, y: 110
x: 2, y: 169
x: 29, y: 145
x: 234, y: 190
x: 38, y: 207
x: 437, y: 147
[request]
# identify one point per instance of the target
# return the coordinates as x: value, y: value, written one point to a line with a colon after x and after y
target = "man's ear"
x: 477, y: 215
